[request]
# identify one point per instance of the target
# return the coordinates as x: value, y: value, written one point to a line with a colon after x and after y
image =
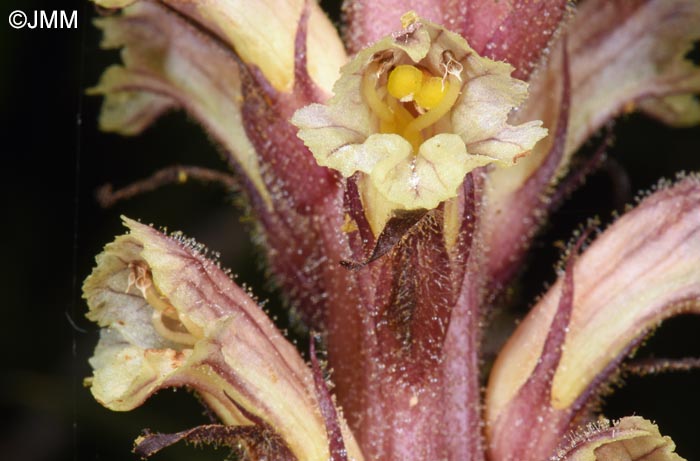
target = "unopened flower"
x: 413, y: 114
x: 637, y: 273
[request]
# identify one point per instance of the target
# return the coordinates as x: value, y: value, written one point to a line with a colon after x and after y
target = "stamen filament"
x: 162, y: 306
x: 179, y: 337
x: 402, y: 115
x: 155, y: 300
x: 369, y: 92
x: 194, y: 329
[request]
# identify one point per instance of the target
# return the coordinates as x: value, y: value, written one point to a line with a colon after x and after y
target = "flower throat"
x: 413, y: 98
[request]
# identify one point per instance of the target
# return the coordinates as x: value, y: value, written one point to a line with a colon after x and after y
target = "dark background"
x: 54, y: 158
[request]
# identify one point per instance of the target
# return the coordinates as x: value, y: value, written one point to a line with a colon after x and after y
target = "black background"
x: 54, y: 158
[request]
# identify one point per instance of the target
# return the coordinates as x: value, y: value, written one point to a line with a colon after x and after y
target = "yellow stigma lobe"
x: 432, y: 92
x: 404, y: 82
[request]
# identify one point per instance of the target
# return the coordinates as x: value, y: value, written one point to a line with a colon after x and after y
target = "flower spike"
x: 394, y: 198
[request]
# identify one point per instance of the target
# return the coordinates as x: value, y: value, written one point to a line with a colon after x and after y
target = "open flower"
x: 385, y: 231
x: 414, y: 113
x: 172, y: 318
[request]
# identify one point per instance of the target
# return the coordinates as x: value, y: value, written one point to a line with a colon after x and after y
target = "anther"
x: 450, y: 65
x: 382, y: 61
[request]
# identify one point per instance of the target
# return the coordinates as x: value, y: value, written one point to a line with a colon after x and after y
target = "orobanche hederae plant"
x: 396, y: 178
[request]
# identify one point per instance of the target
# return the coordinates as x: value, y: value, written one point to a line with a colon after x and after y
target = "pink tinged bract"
x: 641, y: 270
